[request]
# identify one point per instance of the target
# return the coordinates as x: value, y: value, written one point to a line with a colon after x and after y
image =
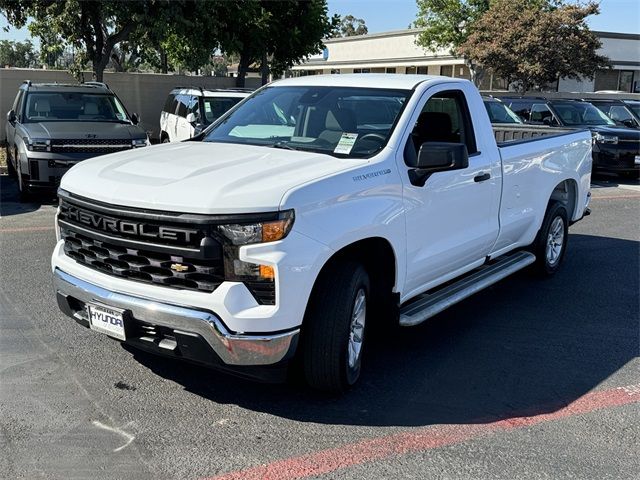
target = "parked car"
x: 291, y: 226
x: 615, y: 149
x: 188, y: 111
x: 618, y: 111
x: 52, y: 127
x: 499, y: 113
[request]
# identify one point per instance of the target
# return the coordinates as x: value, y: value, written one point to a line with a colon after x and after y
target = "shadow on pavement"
x: 523, y: 347
x: 10, y: 203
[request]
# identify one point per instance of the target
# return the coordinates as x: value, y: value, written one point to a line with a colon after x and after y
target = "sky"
x: 385, y: 15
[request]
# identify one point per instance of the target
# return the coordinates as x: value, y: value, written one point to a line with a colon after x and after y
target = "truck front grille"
x: 89, y: 145
x: 167, y: 249
x: 143, y: 265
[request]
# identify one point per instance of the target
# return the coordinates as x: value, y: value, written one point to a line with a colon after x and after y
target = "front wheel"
x: 9, y: 159
x: 551, y: 243
x: 335, y: 326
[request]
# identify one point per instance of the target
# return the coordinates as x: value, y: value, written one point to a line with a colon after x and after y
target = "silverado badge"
x: 178, y: 267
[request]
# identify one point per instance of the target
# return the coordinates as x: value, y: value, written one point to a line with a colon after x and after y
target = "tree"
x: 533, y: 43
x: 274, y: 35
x: 350, y: 26
x: 93, y: 27
x: 447, y: 24
x: 17, y: 54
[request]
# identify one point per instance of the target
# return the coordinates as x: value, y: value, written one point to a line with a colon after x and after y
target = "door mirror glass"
x: 191, y: 118
x: 11, y: 116
x: 135, y: 119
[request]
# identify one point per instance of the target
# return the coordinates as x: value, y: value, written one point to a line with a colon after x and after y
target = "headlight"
x: 140, y: 142
x: 600, y: 138
x: 37, y: 144
x: 259, y: 232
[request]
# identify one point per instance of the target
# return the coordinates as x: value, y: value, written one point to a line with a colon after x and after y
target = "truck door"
x: 11, y: 128
x: 451, y: 221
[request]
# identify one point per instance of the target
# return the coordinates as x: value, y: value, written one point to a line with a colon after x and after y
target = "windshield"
x: 500, y: 113
x: 635, y: 107
x: 215, y: 107
x: 340, y: 121
x: 73, y: 107
x: 580, y: 113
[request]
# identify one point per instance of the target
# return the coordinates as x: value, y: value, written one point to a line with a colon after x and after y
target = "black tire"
x: 165, y: 138
x: 327, y: 327
x: 547, y: 263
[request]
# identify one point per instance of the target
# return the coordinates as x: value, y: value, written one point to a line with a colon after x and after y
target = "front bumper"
x: 176, y: 331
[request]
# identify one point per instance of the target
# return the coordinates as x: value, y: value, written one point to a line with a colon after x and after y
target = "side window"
x: 183, y: 100
x: 444, y: 118
x: 540, y: 113
x: 522, y: 109
x: 169, y: 105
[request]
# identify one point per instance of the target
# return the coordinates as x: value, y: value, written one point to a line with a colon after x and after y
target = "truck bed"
x: 507, y: 134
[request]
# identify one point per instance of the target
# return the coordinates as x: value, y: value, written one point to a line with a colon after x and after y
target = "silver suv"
x: 51, y: 127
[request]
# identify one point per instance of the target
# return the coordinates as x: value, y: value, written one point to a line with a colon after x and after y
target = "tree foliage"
x: 17, y: 54
x: 533, y: 42
x: 93, y: 27
x: 350, y: 26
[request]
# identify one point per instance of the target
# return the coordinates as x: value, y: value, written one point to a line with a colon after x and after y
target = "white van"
x: 189, y: 110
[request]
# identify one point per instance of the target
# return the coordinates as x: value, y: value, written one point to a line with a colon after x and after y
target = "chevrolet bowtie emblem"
x: 178, y: 267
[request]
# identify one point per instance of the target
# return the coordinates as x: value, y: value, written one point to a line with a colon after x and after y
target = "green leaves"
x: 535, y: 42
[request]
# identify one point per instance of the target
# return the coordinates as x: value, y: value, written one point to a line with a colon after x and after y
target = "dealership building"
x: 397, y: 52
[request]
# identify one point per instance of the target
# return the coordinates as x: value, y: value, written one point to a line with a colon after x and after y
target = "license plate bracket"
x: 107, y: 320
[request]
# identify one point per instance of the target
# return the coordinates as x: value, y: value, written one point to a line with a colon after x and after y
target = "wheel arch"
x: 566, y: 192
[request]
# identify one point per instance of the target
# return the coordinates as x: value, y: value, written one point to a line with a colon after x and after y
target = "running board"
x: 434, y: 303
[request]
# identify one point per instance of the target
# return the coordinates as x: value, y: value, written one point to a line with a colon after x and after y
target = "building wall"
x: 143, y: 93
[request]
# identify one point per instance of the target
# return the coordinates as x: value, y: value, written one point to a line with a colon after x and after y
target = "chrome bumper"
x: 231, y: 348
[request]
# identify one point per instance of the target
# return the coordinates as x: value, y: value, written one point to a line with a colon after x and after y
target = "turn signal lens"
x: 266, y: 272
x: 272, y: 231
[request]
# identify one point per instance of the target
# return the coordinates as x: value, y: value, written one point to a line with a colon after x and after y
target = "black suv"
x: 615, y: 149
x: 51, y: 127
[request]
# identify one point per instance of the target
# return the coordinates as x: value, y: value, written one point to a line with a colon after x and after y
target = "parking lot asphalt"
x: 528, y: 379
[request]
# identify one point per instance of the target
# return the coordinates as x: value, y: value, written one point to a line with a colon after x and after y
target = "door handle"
x: 482, y: 177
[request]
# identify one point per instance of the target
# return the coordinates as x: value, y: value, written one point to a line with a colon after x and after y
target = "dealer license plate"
x: 107, y: 320
x: 637, y: 160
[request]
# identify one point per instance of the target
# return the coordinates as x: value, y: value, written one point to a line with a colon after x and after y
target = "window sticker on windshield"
x: 346, y: 143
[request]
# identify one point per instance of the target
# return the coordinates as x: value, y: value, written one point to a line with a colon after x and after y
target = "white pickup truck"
x: 313, y: 210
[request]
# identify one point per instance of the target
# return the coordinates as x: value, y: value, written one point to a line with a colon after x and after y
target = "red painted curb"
x: 421, y: 439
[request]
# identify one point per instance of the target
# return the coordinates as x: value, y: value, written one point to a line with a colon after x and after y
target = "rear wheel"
x: 335, y: 327
x: 551, y: 242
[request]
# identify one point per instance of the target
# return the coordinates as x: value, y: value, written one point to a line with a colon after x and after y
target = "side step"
x: 433, y: 303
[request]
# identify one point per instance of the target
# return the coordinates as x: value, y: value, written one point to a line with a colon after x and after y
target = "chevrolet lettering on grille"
x: 128, y: 227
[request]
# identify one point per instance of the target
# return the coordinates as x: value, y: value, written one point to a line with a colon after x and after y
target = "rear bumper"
x: 176, y: 331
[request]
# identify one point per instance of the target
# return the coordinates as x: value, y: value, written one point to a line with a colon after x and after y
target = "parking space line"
x: 25, y: 229
x: 612, y: 197
x: 422, y: 439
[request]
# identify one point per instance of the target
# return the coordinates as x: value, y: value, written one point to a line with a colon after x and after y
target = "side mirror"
x: 135, y: 119
x: 11, y: 116
x: 548, y: 121
x: 437, y: 157
x: 191, y: 118
x: 630, y: 123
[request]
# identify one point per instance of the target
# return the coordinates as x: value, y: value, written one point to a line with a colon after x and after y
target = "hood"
x: 621, y: 132
x: 200, y: 177
x: 75, y: 130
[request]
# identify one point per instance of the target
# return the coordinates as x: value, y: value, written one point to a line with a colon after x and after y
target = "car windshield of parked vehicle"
x: 340, y: 121
x: 635, y: 107
x: 580, y: 113
x: 215, y: 107
x: 500, y: 113
x: 73, y: 107
x: 618, y: 113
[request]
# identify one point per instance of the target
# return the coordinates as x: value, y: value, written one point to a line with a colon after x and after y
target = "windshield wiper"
x: 284, y: 145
